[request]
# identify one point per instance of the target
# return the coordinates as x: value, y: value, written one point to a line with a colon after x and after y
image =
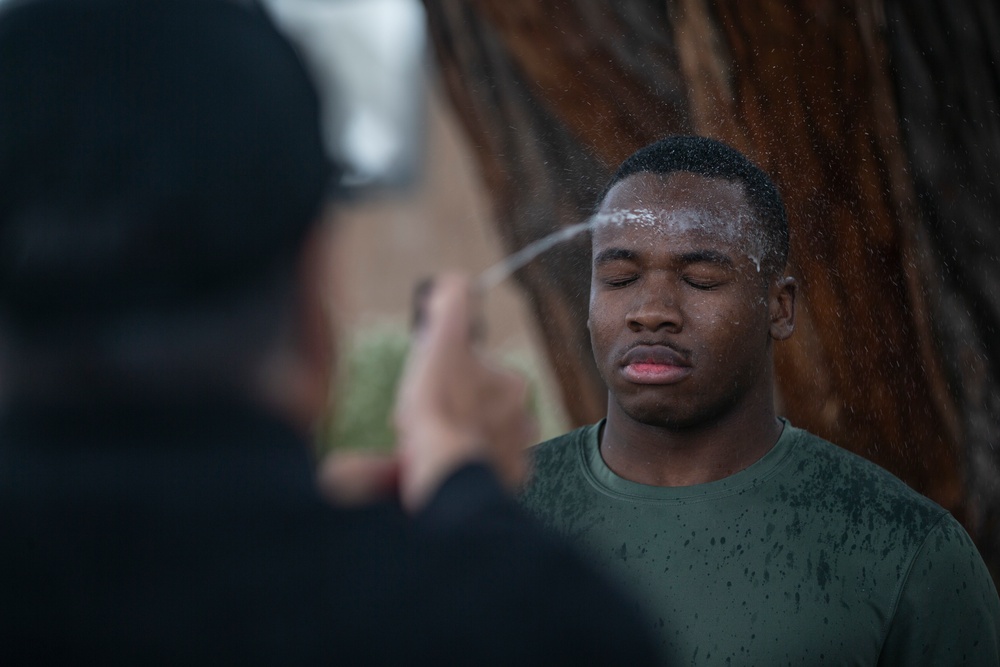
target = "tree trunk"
x: 555, y: 94
x: 946, y: 61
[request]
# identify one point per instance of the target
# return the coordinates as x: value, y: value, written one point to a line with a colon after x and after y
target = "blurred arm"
x: 454, y: 408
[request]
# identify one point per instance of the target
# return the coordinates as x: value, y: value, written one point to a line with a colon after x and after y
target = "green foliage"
x: 366, y: 389
x: 372, y: 365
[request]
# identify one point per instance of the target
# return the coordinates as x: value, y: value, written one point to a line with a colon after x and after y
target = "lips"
x: 655, y: 364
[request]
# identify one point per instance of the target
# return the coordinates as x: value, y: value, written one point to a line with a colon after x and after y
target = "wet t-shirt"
x: 810, y: 556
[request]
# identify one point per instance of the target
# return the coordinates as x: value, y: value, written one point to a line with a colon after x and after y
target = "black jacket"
x: 197, y: 536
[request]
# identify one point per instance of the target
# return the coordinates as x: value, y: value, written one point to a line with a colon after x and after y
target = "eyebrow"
x: 614, y: 255
x: 708, y: 257
x: 694, y: 257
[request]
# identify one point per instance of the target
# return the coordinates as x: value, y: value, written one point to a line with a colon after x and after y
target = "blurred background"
x: 416, y: 206
x: 388, y: 241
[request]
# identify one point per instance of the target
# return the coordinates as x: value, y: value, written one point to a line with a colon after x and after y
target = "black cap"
x: 151, y: 152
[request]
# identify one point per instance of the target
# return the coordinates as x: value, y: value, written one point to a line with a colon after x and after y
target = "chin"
x: 670, y: 416
x: 660, y: 415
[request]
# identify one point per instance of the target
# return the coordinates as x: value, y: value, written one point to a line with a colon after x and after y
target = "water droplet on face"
x: 735, y: 231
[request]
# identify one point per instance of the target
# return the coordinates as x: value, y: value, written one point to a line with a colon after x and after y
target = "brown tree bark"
x: 555, y: 94
x: 946, y: 62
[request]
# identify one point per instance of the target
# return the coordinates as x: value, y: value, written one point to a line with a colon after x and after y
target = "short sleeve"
x: 948, y: 612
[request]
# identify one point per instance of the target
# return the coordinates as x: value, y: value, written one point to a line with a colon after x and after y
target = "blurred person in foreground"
x: 164, y: 357
x: 749, y: 541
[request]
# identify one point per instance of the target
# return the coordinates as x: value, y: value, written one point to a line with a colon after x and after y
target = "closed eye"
x: 620, y: 281
x: 701, y: 284
x: 706, y: 269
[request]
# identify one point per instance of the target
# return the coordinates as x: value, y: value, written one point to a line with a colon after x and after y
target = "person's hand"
x: 452, y: 407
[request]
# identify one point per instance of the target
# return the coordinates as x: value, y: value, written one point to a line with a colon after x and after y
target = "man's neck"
x: 665, y: 456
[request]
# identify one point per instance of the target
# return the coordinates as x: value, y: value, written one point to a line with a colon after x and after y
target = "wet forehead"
x: 675, y: 205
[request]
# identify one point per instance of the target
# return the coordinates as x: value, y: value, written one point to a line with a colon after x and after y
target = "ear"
x: 309, y: 364
x: 781, y: 306
x: 317, y: 326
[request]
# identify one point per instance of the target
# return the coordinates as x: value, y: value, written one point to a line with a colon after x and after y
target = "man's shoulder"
x: 558, y: 470
x: 562, y: 449
x: 853, y: 483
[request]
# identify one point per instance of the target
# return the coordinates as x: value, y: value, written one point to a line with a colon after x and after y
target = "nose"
x: 655, y: 309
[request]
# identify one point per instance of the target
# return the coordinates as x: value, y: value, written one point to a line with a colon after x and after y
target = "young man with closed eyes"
x: 747, y: 540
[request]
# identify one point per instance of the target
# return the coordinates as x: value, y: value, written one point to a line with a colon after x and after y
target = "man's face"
x: 681, y: 316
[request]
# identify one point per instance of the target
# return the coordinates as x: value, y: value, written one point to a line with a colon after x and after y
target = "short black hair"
x: 714, y: 159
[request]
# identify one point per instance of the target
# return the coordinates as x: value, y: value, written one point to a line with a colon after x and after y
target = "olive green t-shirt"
x: 810, y: 556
